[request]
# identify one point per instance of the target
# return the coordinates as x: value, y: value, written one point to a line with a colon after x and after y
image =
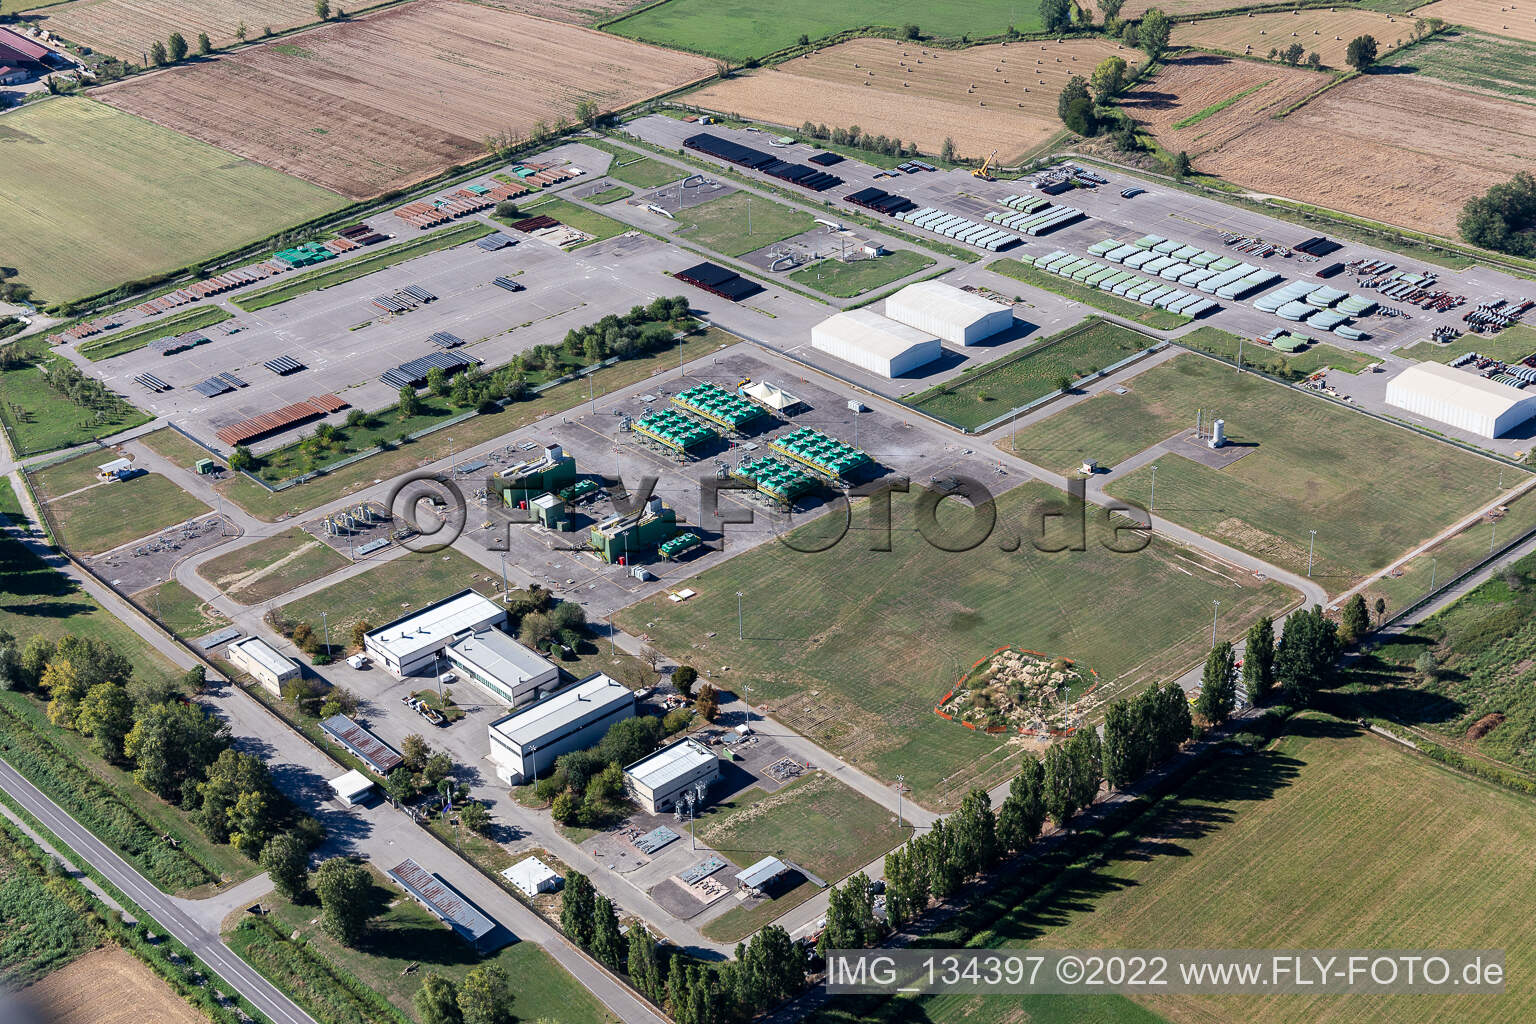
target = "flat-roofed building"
x: 352, y: 788
x: 257, y: 658
x: 658, y: 782
x: 410, y: 644
x: 511, y: 673
x: 525, y: 743
x: 533, y: 876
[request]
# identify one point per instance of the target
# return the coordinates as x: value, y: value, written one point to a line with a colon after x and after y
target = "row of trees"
x: 88, y: 393
x: 483, y: 997
x: 173, y: 747
x: 858, y: 139
x: 1503, y: 218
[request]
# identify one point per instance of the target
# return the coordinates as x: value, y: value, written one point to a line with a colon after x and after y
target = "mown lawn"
x: 271, y: 567
x: 390, y: 590
x: 845, y: 280
x: 136, y: 338
x: 738, y: 223
x: 103, y: 517
x: 578, y: 217
x: 1147, y: 316
x: 1510, y: 345
x: 180, y: 610
x: 38, y: 418
x: 1289, y: 365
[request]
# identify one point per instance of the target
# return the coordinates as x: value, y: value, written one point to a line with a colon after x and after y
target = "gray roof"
x: 654, y: 771
x: 441, y: 898
x: 380, y: 756
x: 500, y: 657
x: 590, y: 697
x: 761, y: 873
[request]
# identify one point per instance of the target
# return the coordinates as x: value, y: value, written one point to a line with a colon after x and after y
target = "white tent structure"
x: 1461, y: 399
x: 955, y: 315
x: 533, y: 876
x: 874, y: 343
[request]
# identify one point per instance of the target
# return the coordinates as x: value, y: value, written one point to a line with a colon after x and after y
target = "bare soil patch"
x: 1395, y: 148
x: 999, y: 97
x: 1483, y: 726
x: 370, y: 105
x: 574, y: 12
x: 1196, y: 82
x: 109, y: 987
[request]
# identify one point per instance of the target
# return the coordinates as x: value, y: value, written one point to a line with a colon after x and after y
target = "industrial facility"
x: 1460, y: 399
x: 255, y: 657
x: 548, y: 474
x: 661, y: 780
x: 526, y: 742
x: 618, y: 539
x: 825, y: 454
x: 511, y: 673
x: 717, y: 406
x: 413, y: 642
x: 875, y: 343
x: 955, y: 315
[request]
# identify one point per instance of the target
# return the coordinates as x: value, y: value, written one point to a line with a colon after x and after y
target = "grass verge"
x: 97, y: 349
x: 845, y: 280
x: 1147, y: 316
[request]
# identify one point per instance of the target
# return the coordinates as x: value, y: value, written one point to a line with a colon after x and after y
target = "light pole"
x: 900, y: 780
x: 740, y: 634
x: 1152, y: 498
x: 505, y: 590
x: 1434, y: 563
x: 591, y: 391
x: 452, y: 458
x: 326, y: 626
x: 1493, y: 535
x: 437, y: 664
x: 1311, y: 547
x: 1215, y: 608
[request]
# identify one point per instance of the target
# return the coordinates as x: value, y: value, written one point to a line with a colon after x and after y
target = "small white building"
x: 410, y: 644
x: 762, y: 876
x: 955, y: 315
x: 1461, y: 399
x: 658, y: 781
x: 262, y: 663
x: 526, y: 743
x: 352, y: 788
x: 875, y: 343
x: 117, y: 469
x: 511, y: 673
x: 533, y: 876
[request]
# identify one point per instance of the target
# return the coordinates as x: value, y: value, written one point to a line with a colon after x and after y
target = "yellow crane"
x: 983, y: 171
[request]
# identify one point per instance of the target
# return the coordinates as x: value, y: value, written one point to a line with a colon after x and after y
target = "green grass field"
x: 101, y: 518
x: 272, y: 567
x: 1371, y: 490
x: 1015, y: 380
x: 94, y: 197
x: 65, y: 477
x: 1329, y: 839
x: 390, y: 590
x: 609, y: 195
x: 792, y: 823
x: 1506, y: 67
x: 721, y: 224
x: 405, y: 934
x: 845, y: 280
x: 39, y: 418
x: 578, y: 217
x: 1147, y: 316
x: 362, y: 266
x: 136, y: 338
x: 1294, y: 365
x: 882, y: 635
x: 1510, y: 345
x: 740, y: 30
x: 180, y: 610
x: 43, y: 932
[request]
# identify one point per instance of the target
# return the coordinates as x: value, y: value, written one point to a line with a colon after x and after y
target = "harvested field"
x: 128, y: 28
x: 1134, y: 9
x: 1505, y: 68
x: 370, y: 105
x: 109, y: 987
x: 574, y: 12
x: 1190, y: 85
x: 985, y: 97
x: 1355, y: 149
x: 1324, y: 31
x: 1486, y: 16
x: 92, y: 197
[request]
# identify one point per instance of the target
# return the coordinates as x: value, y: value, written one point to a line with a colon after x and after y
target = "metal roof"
x: 351, y: 785
x: 1459, y: 387
x: 761, y: 873
x: 590, y: 697
x: 434, y: 625
x: 656, y: 771
x: 380, y: 756
x: 261, y: 652
x: 878, y: 335
x: 946, y: 300
x: 21, y: 46
x: 452, y: 909
x: 500, y: 657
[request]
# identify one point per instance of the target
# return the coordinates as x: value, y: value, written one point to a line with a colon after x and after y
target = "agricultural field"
x: 739, y: 223
x: 575, y: 12
x: 390, y: 590
x: 1325, y: 32
x: 109, y: 986
x: 126, y: 29
x: 1402, y: 848
x: 1000, y: 97
x: 103, y: 517
x: 853, y: 647
x: 1364, y: 141
x: 372, y: 104
x: 94, y: 197
x: 845, y: 280
x: 1499, y: 67
x: 1499, y: 17
x: 269, y: 568
x: 1015, y: 380
x: 791, y: 823
x: 1313, y: 466
x: 1188, y: 105
x: 740, y: 30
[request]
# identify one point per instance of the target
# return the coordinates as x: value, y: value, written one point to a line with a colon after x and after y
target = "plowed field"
x: 366, y: 106
x: 1189, y: 86
x: 999, y: 97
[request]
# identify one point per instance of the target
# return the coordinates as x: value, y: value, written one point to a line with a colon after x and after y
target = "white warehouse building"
x: 954, y: 314
x: 412, y: 642
x: 875, y: 343
x: 1461, y: 399
x: 659, y: 781
x: 525, y: 743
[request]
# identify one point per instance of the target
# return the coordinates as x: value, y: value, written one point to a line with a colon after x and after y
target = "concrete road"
x: 196, y: 935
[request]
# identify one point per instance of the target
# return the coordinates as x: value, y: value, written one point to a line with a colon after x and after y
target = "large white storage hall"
x: 875, y: 343
x: 955, y: 315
